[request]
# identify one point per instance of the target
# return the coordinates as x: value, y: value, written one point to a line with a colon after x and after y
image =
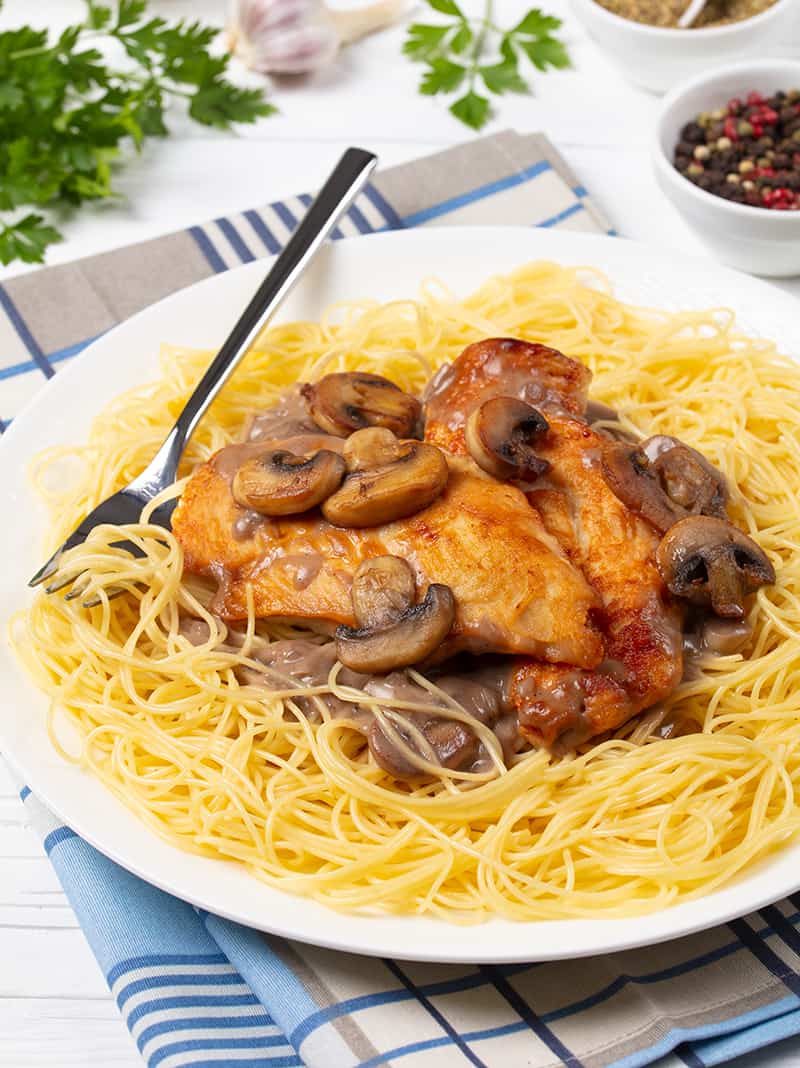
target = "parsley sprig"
x: 66, y: 113
x: 468, y: 53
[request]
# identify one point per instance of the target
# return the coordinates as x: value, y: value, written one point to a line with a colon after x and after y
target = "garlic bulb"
x: 298, y: 36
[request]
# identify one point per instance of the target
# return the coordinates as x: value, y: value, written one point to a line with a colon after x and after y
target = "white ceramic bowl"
x: 657, y: 58
x: 756, y: 240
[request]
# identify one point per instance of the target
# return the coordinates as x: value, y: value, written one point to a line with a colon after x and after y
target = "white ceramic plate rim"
x: 383, y: 266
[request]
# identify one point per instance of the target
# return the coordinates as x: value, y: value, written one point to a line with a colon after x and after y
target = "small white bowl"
x: 755, y: 240
x: 656, y: 57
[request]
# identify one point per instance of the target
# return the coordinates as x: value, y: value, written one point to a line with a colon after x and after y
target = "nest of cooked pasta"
x: 218, y: 767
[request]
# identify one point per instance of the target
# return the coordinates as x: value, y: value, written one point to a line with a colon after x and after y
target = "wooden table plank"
x: 61, y: 1032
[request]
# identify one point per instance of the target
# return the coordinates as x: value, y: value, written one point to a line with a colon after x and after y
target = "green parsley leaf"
x: 67, y: 113
x: 98, y: 16
x: 471, y: 109
x: 503, y: 78
x: 546, y: 52
x: 423, y: 40
x: 442, y: 76
x: 129, y: 12
x: 220, y: 104
x: 147, y: 111
x: 507, y: 49
x: 461, y: 39
x: 84, y: 69
x: 446, y: 7
x: 537, y: 24
x: 23, y: 40
x: 466, y: 51
x: 534, y: 34
x: 11, y: 97
x: 26, y: 240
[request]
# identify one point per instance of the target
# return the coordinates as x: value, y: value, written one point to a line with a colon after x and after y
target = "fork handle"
x: 346, y: 180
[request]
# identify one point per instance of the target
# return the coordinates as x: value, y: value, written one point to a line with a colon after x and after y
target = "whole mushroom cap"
x: 347, y: 401
x: 710, y: 562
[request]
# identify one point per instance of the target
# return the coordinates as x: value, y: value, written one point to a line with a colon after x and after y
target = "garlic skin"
x: 300, y: 36
x: 282, y: 36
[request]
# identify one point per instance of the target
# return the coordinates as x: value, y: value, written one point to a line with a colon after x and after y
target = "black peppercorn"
x: 694, y: 133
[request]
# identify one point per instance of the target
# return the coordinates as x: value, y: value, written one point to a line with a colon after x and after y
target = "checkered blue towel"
x: 197, y: 991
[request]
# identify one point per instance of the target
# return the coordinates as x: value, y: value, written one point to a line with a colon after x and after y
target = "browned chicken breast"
x: 497, y: 367
x: 515, y: 591
x: 557, y: 705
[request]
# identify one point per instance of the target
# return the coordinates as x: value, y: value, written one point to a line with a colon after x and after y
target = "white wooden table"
x: 55, y: 1009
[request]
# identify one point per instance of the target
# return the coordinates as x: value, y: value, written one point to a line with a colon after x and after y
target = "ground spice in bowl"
x: 747, y: 151
x: 666, y: 13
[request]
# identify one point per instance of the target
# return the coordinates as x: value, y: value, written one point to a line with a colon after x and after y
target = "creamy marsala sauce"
x: 480, y: 685
x: 481, y: 691
x: 286, y: 426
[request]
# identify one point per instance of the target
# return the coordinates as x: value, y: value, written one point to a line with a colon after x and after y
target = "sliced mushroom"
x: 687, y: 476
x: 709, y: 561
x: 372, y: 447
x: 383, y: 588
x: 344, y: 402
x: 627, y: 472
x: 500, y: 435
x: 389, y: 756
x: 417, y: 633
x: 454, y: 745
x: 597, y: 412
x: 278, y: 482
x: 664, y: 480
x: 396, y: 487
x: 722, y: 637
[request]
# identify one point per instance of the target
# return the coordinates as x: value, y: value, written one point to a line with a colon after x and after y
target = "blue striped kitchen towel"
x: 197, y: 991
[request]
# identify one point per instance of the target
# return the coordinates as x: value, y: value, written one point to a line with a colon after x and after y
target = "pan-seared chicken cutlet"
x: 496, y: 367
x: 557, y: 705
x: 509, y: 578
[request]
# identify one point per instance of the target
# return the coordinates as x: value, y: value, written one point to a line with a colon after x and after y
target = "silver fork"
x: 344, y: 183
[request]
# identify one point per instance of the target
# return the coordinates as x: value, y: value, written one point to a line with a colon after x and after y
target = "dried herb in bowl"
x: 666, y: 13
x: 747, y: 151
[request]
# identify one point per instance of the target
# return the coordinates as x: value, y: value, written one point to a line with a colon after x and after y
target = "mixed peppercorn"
x: 747, y: 152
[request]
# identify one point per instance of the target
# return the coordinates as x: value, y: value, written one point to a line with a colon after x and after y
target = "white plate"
x: 383, y: 266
